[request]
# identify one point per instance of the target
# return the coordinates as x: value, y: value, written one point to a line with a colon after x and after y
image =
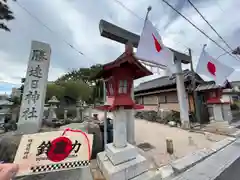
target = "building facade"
x: 16, y: 92
x: 161, y: 93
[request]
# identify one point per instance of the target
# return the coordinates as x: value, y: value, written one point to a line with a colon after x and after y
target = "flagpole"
x: 144, y: 60
x: 196, y: 107
x: 130, y: 114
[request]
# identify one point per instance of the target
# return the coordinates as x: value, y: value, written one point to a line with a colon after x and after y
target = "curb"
x: 236, y: 134
x: 180, y: 165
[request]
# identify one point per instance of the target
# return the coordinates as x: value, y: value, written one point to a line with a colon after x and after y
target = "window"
x: 139, y: 100
x: 212, y: 94
x: 235, y: 97
x: 172, y: 98
x: 162, y: 99
x: 122, y: 87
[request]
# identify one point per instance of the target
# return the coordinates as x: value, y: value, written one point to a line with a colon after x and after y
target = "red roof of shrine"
x: 217, y: 101
x: 127, y: 58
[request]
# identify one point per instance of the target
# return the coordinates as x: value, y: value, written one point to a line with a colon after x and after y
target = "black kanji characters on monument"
x: 39, y: 55
x: 34, y: 83
x: 59, y: 149
x: 36, y: 72
x: 30, y: 113
x: 32, y: 96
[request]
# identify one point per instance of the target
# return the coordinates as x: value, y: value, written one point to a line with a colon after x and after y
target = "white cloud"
x: 78, y: 23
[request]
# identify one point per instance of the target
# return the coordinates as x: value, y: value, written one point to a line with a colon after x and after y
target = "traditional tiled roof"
x: 165, y: 81
x: 211, y: 85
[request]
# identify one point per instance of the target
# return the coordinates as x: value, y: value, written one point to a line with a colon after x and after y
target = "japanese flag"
x: 213, y: 69
x: 151, y: 48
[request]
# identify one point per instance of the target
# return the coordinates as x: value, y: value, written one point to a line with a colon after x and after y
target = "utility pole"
x: 196, y: 107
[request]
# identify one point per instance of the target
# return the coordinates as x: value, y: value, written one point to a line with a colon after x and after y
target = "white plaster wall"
x: 217, y: 111
x: 227, y: 113
x: 226, y: 98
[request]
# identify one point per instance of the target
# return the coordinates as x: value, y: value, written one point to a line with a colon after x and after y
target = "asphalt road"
x: 232, y: 172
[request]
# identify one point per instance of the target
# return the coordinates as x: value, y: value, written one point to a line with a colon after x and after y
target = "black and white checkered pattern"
x: 59, y: 166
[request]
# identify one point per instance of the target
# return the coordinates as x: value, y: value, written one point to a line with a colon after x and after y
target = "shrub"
x: 234, y: 107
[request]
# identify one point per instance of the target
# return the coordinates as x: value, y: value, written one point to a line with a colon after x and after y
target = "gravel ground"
x: 155, y: 135
x: 184, y: 142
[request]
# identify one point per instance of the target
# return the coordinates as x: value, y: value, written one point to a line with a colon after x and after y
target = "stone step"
x: 145, y: 176
x: 126, y: 170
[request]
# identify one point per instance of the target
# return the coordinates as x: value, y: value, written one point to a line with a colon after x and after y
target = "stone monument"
x: 65, y: 114
x: 52, y: 117
x: 32, y: 106
x: 79, y: 111
x: 121, y: 160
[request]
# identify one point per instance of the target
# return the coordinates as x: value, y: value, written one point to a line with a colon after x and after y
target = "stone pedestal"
x: 120, y: 160
x: 120, y: 129
x: 131, y: 123
x: 52, y: 114
x: 119, y: 155
x: 65, y: 114
x: 130, y: 126
x: 78, y: 113
x: 90, y: 111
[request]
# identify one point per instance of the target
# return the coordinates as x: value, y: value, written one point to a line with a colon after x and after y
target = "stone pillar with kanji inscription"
x: 33, y: 99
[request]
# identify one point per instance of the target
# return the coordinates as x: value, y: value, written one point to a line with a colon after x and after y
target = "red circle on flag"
x: 60, y: 149
x: 211, y: 68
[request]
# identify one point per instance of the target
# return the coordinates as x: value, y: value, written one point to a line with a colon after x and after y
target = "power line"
x: 199, y: 29
x: 43, y: 24
x: 210, y: 25
x: 129, y: 10
x: 141, y: 18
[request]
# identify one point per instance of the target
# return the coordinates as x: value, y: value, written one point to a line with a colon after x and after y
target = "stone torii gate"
x: 123, y: 36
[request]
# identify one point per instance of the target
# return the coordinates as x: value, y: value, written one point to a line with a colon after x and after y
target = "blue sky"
x: 77, y: 21
x: 7, y: 87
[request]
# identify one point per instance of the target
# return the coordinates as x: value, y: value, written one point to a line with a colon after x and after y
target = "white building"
x: 16, y: 92
x: 5, y: 106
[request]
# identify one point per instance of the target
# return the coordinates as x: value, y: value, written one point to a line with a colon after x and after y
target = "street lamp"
x: 236, y: 51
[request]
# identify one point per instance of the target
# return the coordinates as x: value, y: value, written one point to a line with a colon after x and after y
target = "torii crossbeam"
x: 115, y: 33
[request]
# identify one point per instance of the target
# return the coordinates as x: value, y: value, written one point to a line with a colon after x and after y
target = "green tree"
x: 77, y: 89
x: 55, y: 90
x: 86, y: 75
x: 5, y: 14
